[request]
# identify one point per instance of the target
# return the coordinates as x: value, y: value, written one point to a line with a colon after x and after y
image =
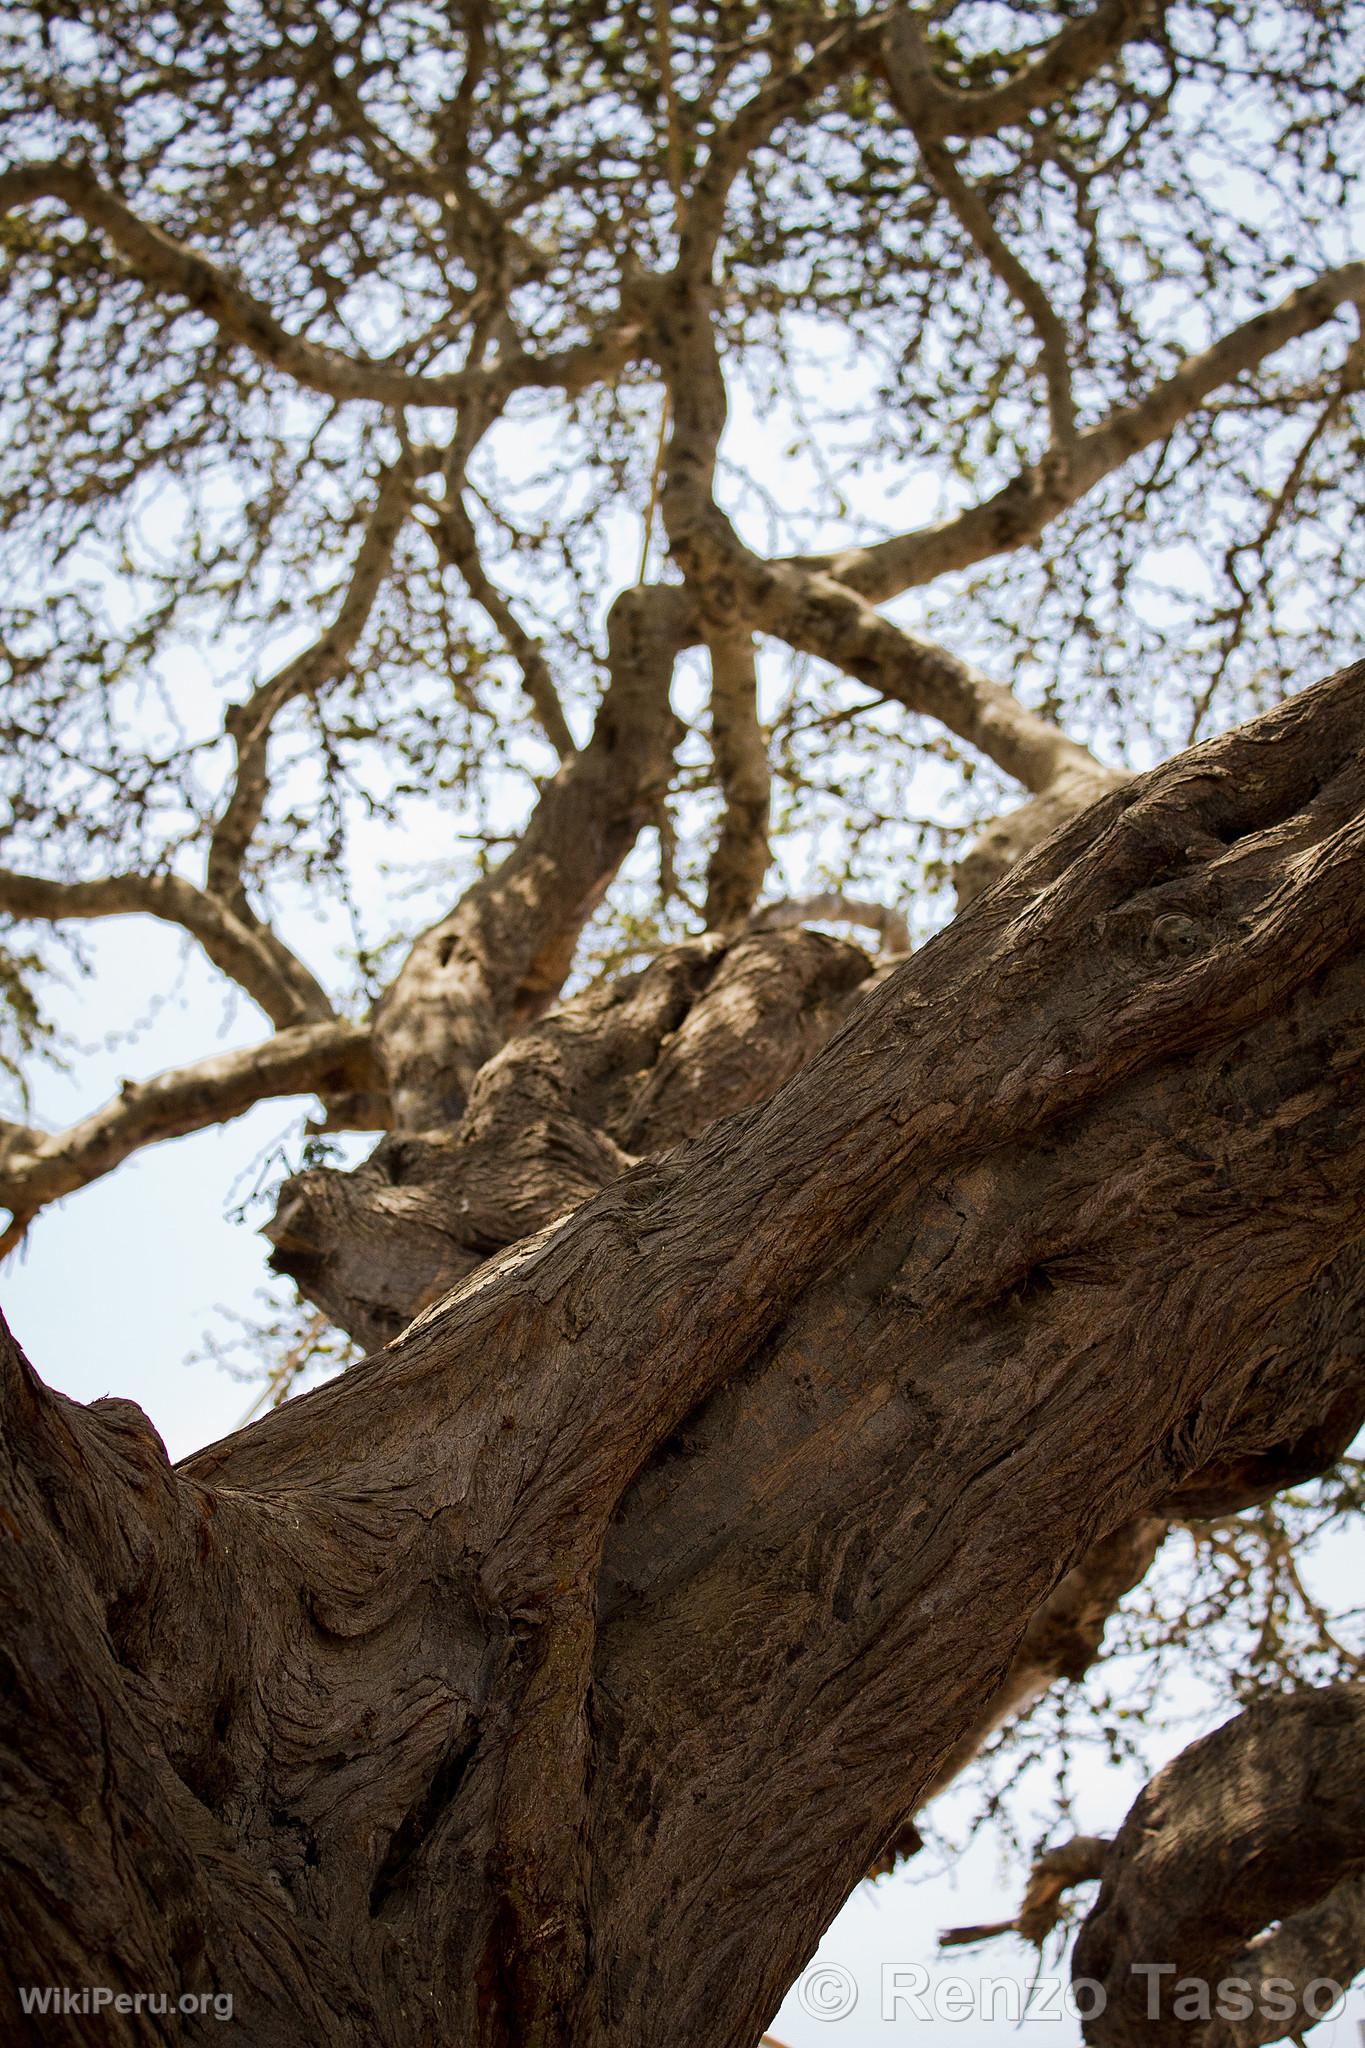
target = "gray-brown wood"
x: 1233, y: 1897
x: 791, y: 1359
x: 552, y: 1675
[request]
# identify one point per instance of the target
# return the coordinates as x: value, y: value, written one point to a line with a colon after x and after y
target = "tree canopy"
x: 340, y: 341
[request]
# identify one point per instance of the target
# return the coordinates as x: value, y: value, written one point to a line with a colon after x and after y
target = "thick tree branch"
x: 818, y: 615
x: 1063, y: 1639
x: 1314, y: 1333
x: 623, y: 1071
x: 1018, y: 513
x: 695, y: 1530
x: 1311, y: 1951
x: 739, y: 749
x: 16, y: 1139
x: 497, y: 961
x: 1061, y: 1642
x: 1016, y: 832
x: 329, y: 1059
x: 167, y: 265
x: 239, y: 947
x: 1261, y: 1822
x: 935, y: 109
x: 249, y: 724
x: 821, y: 614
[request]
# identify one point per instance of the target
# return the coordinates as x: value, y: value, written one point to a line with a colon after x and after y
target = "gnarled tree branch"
x: 238, y: 946
x: 499, y: 958
x: 920, y: 1250
x: 329, y: 1059
x: 622, y: 1072
x: 1022, y: 508
x: 936, y: 109
x: 1077, y: 1861
x: 739, y: 749
x: 834, y: 907
x: 1262, y: 1822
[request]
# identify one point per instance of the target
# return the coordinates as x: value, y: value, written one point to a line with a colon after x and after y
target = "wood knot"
x: 1174, y: 935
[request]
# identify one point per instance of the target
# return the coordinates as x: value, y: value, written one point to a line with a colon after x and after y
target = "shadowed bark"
x: 620, y: 1073
x: 552, y: 1675
x: 1233, y: 1891
x: 740, y: 748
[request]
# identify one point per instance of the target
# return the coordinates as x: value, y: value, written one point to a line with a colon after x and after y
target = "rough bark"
x: 623, y: 1072
x: 1240, y: 1865
x: 551, y: 1676
x: 740, y: 748
x: 498, y: 960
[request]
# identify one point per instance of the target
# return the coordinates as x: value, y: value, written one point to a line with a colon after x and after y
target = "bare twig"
x: 167, y: 265
x: 458, y: 542
x: 249, y: 724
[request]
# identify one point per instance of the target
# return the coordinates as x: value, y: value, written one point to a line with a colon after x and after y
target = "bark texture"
x: 1241, y: 1864
x: 564, y: 1109
x: 552, y: 1675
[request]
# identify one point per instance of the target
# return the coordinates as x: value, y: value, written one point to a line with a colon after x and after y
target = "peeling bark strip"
x: 551, y: 1676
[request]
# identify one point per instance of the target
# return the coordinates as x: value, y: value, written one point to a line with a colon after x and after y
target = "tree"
x: 782, y: 1360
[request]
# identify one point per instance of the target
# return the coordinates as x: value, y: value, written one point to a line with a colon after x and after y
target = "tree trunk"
x: 553, y: 1675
